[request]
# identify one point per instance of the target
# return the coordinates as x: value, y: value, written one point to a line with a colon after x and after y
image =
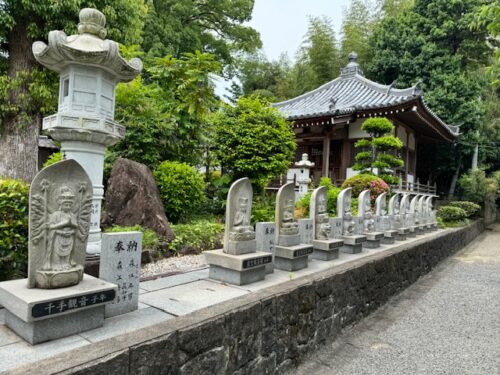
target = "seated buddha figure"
x: 241, y: 229
x: 288, y: 224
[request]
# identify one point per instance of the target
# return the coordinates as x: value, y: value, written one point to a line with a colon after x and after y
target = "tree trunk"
x: 454, y: 179
x: 19, y: 139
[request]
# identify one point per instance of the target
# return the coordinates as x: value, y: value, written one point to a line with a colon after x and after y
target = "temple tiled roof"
x: 350, y: 93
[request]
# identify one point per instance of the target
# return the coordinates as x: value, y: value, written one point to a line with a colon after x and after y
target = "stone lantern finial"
x: 92, y: 22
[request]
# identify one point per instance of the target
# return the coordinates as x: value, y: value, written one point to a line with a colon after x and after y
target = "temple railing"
x: 410, y: 187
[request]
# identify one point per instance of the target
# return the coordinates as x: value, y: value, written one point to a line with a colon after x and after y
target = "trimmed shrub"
x: 197, y: 236
x: 181, y: 189
x: 450, y: 214
x: 13, y: 229
x: 150, y: 239
x: 471, y: 209
x: 362, y: 182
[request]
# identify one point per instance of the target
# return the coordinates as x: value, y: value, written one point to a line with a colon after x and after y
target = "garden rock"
x: 133, y: 198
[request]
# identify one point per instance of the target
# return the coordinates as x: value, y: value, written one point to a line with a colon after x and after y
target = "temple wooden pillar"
x: 326, y: 155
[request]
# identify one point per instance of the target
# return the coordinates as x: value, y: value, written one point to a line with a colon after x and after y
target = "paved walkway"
x: 446, y: 323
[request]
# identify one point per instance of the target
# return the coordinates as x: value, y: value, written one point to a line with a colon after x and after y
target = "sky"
x: 282, y: 24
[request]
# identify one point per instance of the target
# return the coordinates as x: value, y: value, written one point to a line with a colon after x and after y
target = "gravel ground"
x: 173, y: 264
x: 448, y: 322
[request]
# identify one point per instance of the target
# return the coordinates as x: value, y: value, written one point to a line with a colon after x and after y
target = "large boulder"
x: 132, y: 198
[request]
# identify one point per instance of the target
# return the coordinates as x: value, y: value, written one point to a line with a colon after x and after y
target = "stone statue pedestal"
x: 353, y: 244
x: 238, y: 269
x: 326, y: 249
x: 49, y: 279
x: 373, y: 240
x: 389, y: 237
x: 293, y: 257
x: 403, y: 233
x: 241, y: 247
x: 40, y: 315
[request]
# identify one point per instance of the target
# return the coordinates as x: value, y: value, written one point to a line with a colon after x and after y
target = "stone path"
x: 446, y: 323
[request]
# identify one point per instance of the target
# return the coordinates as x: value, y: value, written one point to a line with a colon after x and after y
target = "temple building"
x: 327, y: 122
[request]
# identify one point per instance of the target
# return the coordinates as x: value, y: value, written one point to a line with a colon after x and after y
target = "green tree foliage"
x: 320, y: 51
x: 165, y: 113
x: 181, y: 189
x: 253, y: 140
x: 260, y: 77
x: 13, y: 229
x: 317, y: 63
x: 357, y: 27
x: 433, y: 43
x: 476, y: 187
x: 380, y: 151
x: 28, y: 91
x: 174, y: 27
x: 488, y: 15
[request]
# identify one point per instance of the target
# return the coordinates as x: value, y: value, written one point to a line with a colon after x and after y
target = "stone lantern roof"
x: 87, y: 48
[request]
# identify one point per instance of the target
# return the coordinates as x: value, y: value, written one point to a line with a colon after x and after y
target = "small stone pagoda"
x: 89, y: 67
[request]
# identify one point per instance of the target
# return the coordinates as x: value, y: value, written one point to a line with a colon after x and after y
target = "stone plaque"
x: 60, y: 206
x: 121, y: 265
x: 306, y: 231
x: 259, y: 261
x: 63, y: 305
x: 303, y: 252
x: 264, y: 235
x: 336, y: 225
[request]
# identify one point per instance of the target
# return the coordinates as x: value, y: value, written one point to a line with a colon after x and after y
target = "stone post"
x: 90, y: 67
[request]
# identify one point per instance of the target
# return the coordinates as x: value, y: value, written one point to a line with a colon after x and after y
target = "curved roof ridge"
x: 388, y: 89
x: 308, y: 93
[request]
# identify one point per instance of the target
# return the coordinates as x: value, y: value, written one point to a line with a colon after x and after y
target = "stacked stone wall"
x: 269, y: 331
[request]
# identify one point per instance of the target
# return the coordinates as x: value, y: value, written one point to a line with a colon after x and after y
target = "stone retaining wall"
x: 268, y: 331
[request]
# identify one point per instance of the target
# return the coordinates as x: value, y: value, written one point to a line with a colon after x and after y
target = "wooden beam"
x: 326, y: 155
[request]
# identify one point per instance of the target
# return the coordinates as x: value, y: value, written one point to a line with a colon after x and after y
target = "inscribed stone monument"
x: 264, y: 237
x: 57, y: 299
x: 383, y: 224
x: 306, y: 231
x: 60, y: 208
x: 365, y: 213
x: 238, y: 262
x: 121, y: 265
x: 290, y: 254
x: 325, y: 248
x: 352, y: 242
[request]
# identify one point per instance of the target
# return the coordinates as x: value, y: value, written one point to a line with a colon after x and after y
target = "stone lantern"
x: 90, y: 67
x: 303, y: 179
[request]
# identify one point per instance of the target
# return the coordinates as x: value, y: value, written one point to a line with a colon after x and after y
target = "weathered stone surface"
x: 158, y: 356
x: 60, y: 207
x: 120, y: 264
x: 286, y: 224
x: 270, y: 331
x: 306, y: 231
x: 132, y: 198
